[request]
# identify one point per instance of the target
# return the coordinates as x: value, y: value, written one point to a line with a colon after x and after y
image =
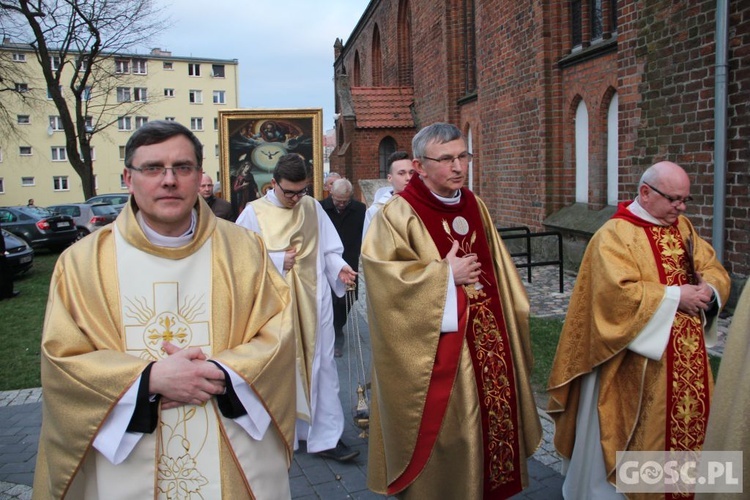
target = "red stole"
x: 481, y: 321
x: 688, y: 379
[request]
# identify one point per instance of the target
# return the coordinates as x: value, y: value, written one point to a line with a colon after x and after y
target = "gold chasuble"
x: 114, y: 298
x: 643, y: 404
x: 453, y: 415
x: 283, y: 228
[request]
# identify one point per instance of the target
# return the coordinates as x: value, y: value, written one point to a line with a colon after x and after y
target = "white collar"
x: 168, y: 241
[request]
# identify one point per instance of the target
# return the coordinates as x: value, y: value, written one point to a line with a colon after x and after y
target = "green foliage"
x: 544, y: 336
x: 21, y: 325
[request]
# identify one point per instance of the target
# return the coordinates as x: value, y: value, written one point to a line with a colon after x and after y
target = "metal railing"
x: 528, y: 263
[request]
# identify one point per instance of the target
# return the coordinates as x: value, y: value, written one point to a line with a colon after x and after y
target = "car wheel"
x: 82, y: 231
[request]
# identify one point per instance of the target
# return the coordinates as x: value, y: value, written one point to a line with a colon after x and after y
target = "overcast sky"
x: 284, y: 48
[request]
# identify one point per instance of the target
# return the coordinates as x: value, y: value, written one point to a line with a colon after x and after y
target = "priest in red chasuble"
x: 453, y: 414
x: 631, y: 371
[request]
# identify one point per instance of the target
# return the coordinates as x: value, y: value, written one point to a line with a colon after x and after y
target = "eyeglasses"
x: 671, y: 199
x: 157, y: 170
x: 446, y: 161
x: 288, y: 193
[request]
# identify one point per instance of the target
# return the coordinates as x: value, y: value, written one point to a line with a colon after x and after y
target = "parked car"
x: 117, y: 200
x: 88, y: 218
x: 18, y: 254
x: 39, y: 227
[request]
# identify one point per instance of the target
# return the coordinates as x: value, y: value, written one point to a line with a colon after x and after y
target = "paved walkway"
x: 311, y: 477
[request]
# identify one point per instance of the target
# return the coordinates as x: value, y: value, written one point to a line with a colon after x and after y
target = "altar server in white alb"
x: 307, y: 250
x: 167, y: 351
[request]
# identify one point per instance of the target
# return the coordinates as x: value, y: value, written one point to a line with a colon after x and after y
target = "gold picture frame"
x: 251, y: 142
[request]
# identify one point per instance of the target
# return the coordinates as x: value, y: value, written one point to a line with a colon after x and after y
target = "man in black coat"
x: 348, y: 216
x: 220, y: 207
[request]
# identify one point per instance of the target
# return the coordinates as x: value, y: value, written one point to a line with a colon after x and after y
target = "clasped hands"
x: 466, y: 269
x: 696, y: 298
x: 184, y: 377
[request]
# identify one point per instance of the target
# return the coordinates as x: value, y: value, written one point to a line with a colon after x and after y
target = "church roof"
x: 383, y: 107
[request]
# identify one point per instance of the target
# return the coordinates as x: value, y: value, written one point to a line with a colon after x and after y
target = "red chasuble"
x: 688, y: 382
x: 482, y: 325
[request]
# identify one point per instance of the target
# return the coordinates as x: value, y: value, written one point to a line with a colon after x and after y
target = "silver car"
x: 117, y: 200
x: 88, y: 218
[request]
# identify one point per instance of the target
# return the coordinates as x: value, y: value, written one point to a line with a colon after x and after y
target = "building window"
x: 405, y: 69
x: 377, y: 58
x: 49, y: 92
x: 357, y: 73
x: 219, y: 97
x: 27, y: 181
x: 596, y: 19
x: 576, y: 24
x: 470, y: 53
x: 55, y: 123
x: 2, y: 186
x: 58, y: 153
x: 123, y: 94
x: 60, y: 183
x: 122, y: 182
x: 24, y: 150
x: 86, y: 94
x: 613, y: 149
x: 122, y: 66
x: 140, y: 121
x: 140, y: 94
x: 24, y: 119
x: 167, y: 66
x: 89, y: 124
x: 170, y: 118
x: 1, y: 155
x: 82, y: 63
x: 217, y: 70
x: 194, y: 69
x: 216, y: 127
x: 196, y: 97
x: 22, y: 87
x: 19, y: 57
x: 54, y: 62
x: 582, y: 153
x: 196, y: 124
x: 139, y: 67
x: 216, y: 150
x: 122, y: 152
x: 168, y: 92
x: 124, y: 123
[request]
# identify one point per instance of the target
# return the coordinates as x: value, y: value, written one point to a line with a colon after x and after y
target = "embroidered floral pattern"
x: 495, y: 367
x: 687, y: 369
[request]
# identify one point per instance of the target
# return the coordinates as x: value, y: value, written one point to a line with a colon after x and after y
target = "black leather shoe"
x: 341, y: 453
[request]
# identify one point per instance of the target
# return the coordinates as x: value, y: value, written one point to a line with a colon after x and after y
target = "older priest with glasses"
x: 167, y: 349
x: 631, y: 371
x: 453, y: 413
x: 307, y: 251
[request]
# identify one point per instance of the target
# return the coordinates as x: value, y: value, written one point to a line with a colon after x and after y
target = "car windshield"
x: 36, y: 211
x: 104, y: 210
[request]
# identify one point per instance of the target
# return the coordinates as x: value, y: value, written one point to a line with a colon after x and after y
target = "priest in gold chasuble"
x: 631, y: 371
x: 453, y: 414
x: 306, y: 249
x: 167, y: 350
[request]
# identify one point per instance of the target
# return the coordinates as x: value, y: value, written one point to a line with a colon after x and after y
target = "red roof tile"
x: 383, y: 107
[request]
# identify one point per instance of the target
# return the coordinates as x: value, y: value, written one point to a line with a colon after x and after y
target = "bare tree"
x: 76, y: 43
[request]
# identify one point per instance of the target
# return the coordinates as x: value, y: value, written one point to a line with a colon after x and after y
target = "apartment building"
x: 142, y: 88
